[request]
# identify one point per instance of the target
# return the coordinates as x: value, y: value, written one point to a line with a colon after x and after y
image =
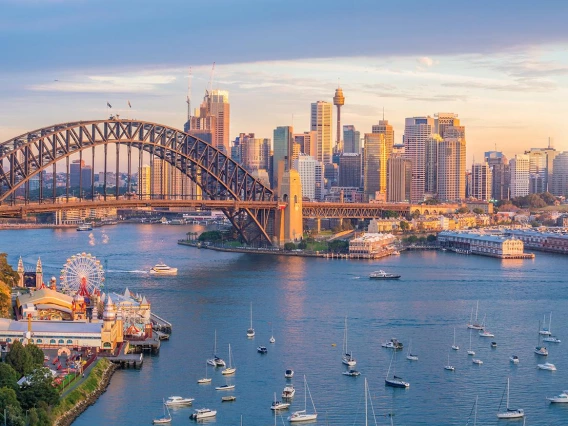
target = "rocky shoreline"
x: 69, y: 416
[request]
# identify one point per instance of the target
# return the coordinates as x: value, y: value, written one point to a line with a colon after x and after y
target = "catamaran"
x: 230, y: 369
x: 250, y: 331
x: 347, y: 357
x: 303, y: 415
x: 511, y: 413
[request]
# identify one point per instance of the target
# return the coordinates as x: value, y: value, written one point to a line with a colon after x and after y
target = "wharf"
x: 160, y: 324
x: 147, y: 345
x: 128, y: 360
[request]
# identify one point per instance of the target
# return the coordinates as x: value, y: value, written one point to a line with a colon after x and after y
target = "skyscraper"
x: 351, y: 139
x: 350, y: 169
x: 339, y: 101
x: 519, y: 168
x: 451, y: 173
x: 540, y: 168
x: 431, y: 165
x: 80, y: 174
x: 306, y: 167
x: 399, y: 176
x: 144, y: 182
x: 377, y: 152
x: 386, y: 129
x: 443, y: 120
x: 481, y: 181
x: 214, y: 115
x: 308, y: 143
x: 282, y: 155
x: 500, y: 174
x: 416, y: 131
x: 321, y: 124
x: 559, y: 185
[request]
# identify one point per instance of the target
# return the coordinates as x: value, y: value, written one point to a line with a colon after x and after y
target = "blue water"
x: 305, y: 301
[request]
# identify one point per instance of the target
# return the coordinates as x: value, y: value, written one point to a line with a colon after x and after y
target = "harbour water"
x: 304, y: 301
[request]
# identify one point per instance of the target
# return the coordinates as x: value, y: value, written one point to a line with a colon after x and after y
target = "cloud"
x: 108, y: 84
x: 427, y: 62
x: 516, y: 85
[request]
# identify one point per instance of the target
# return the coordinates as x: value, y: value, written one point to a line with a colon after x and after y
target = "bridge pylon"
x: 291, y: 228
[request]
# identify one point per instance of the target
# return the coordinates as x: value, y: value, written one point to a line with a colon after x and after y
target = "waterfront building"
x: 371, y: 245
x: 486, y: 206
x: 555, y: 242
x: 377, y: 152
x: 416, y: 131
x: 351, y: 139
x: 500, y: 174
x: 282, y: 153
x: 350, y: 169
x: 80, y: 175
x: 321, y: 124
x: 451, y: 173
x: 483, y: 244
x: 399, y: 176
x: 519, y: 171
x: 306, y: 167
x: 560, y: 175
x: 481, y: 181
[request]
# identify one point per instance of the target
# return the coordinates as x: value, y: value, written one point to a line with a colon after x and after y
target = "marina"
x: 213, y: 290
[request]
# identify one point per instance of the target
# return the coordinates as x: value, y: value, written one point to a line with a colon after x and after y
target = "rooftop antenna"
x: 189, y: 96
x: 211, y: 79
x: 383, y: 113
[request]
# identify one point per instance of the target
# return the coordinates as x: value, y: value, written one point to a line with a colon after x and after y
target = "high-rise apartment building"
x: 500, y: 174
x: 350, y: 170
x: 399, y: 176
x: 80, y: 174
x: 306, y: 167
x: 282, y: 153
x: 308, y: 143
x: 451, y: 172
x: 431, y: 165
x: 254, y: 152
x: 321, y: 124
x: 214, y: 115
x: 443, y: 120
x: 416, y: 131
x: 351, y: 139
x: 519, y: 167
x: 559, y: 184
x: 481, y: 181
x: 377, y: 153
x: 144, y: 182
x: 540, y: 168
x: 386, y: 129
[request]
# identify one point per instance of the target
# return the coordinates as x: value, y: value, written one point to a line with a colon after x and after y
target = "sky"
x: 502, y: 66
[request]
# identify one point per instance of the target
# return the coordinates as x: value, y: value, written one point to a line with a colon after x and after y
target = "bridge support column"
x: 318, y: 225
x: 291, y: 224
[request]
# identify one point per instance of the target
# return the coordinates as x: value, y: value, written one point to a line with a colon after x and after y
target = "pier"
x: 128, y: 360
x: 160, y: 324
x: 151, y: 345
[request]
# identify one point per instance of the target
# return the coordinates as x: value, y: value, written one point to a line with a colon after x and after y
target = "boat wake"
x: 118, y: 271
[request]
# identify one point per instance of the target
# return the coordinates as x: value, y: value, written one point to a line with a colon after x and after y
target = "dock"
x: 128, y: 360
x: 160, y: 324
x: 151, y: 345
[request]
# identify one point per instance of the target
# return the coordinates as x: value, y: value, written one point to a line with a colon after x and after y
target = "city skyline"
x: 508, y: 86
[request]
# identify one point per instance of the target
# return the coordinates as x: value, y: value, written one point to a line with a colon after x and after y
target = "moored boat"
x: 303, y: 415
x: 547, y: 366
x: 514, y: 359
x: 178, y: 401
x: 166, y: 418
x: 262, y: 350
x: 228, y: 398
x: 203, y: 413
x: 289, y: 374
x: 225, y: 387
x: 510, y: 413
x: 382, y: 275
x: 541, y: 350
x: 85, y: 227
x: 351, y: 372
x: 562, y: 398
x: 392, y: 344
x: 288, y: 392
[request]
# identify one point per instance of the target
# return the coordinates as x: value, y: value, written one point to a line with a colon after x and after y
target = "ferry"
x: 382, y: 275
x: 163, y: 269
x: 85, y: 227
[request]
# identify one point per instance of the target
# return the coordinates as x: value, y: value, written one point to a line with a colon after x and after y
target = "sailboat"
x: 540, y: 350
x: 454, y: 346
x: 550, y: 337
x: 449, y: 366
x: 474, y: 410
x: 303, y: 416
x: 545, y: 331
x: 368, y: 398
x: 510, y: 413
x: 206, y: 379
x: 272, y: 339
x: 166, y: 418
x: 347, y: 357
x: 395, y: 382
x: 483, y: 332
x: 409, y: 355
x: 474, y: 324
x: 470, y: 351
x: 250, y: 331
x: 279, y: 405
x: 216, y: 361
x: 230, y: 369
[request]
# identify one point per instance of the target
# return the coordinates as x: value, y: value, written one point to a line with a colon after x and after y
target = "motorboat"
x: 382, y: 275
x: 163, y: 269
x: 250, y: 330
x: 279, y: 405
x: 225, y: 387
x: 166, y: 418
x: 541, y: 350
x: 547, y: 366
x: 563, y: 397
x: 514, y: 359
x: 493, y: 344
x: 551, y: 339
x: 262, y: 350
x: 203, y: 413
x: 352, y: 373
x: 510, y: 413
x: 177, y: 401
x: 289, y: 374
x: 477, y: 361
x: 288, y: 392
x: 228, y: 398
x: 303, y: 415
x: 392, y: 344
x: 85, y: 227
x: 485, y: 333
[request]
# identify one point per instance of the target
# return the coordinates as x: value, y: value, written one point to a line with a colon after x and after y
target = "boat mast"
x: 507, y: 394
x: 476, y: 310
x: 366, y: 421
x: 250, y: 314
x: 549, y: 323
x: 475, y: 413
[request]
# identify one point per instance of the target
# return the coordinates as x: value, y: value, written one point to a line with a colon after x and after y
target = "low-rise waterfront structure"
x: 484, y: 244
x: 555, y: 242
x: 371, y: 245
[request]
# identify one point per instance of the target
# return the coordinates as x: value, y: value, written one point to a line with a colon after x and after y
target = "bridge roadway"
x: 312, y: 210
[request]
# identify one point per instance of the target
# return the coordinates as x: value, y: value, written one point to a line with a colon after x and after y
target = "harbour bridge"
x: 250, y: 206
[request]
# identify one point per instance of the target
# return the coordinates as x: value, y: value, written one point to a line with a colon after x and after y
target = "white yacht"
x: 449, y: 366
x: 225, y: 387
x: 545, y: 331
x: 205, y: 380
x: 563, y: 397
x: 514, y: 359
x: 454, y: 346
x: 541, y: 350
x: 178, y: 401
x: 303, y: 415
x: 347, y: 357
x: 279, y: 405
x: 163, y: 269
x: 230, y: 369
x: 289, y: 374
x: 477, y: 361
x: 547, y: 366
x: 470, y: 352
x: 510, y: 413
x: 203, y: 413
x: 288, y: 392
x: 474, y: 324
x: 551, y: 339
x: 485, y: 333
x: 382, y: 275
x: 410, y: 356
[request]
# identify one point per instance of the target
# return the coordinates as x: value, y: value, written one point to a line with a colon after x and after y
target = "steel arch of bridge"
x: 219, y: 177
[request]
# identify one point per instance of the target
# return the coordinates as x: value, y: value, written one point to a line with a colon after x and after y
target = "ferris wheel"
x: 79, y: 268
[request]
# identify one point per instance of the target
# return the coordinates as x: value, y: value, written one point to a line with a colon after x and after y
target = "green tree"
x: 477, y: 210
x: 302, y: 245
x: 548, y: 198
x: 412, y: 239
x: 8, y: 398
x: 8, y: 376
x: 463, y: 210
x: 212, y: 236
x: 289, y: 246
x: 20, y: 359
x: 338, y: 246
x: 38, y: 389
x: 404, y: 225
x: 431, y: 201
x: 387, y: 214
x: 36, y: 354
x: 431, y: 238
x: 7, y: 273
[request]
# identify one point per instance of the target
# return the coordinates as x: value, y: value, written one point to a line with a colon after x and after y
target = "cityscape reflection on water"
x: 305, y: 301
